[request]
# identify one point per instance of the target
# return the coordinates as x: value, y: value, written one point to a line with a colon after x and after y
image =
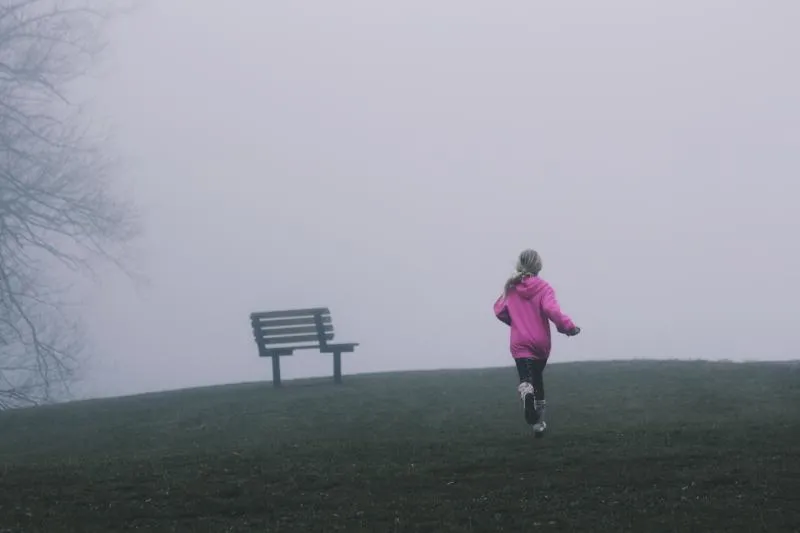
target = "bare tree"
x: 57, y: 207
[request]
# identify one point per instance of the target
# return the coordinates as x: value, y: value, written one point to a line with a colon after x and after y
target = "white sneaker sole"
x: 528, y: 403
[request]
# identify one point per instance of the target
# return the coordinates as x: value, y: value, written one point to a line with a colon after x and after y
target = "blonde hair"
x: 529, y: 264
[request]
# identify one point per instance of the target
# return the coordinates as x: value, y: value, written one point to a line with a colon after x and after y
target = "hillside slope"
x: 633, y: 446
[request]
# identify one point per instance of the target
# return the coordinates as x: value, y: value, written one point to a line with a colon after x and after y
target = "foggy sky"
x: 390, y: 159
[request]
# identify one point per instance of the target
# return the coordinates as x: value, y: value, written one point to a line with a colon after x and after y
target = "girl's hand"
x: 574, y: 331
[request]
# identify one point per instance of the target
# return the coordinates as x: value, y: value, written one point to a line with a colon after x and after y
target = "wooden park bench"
x: 280, y: 333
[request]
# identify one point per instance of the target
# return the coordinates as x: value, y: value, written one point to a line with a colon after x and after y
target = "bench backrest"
x: 285, y: 329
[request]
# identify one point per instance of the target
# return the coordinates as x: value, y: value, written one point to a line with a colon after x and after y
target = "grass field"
x: 632, y: 446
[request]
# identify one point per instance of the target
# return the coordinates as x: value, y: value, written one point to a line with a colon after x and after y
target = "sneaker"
x: 528, y: 403
x: 539, y: 428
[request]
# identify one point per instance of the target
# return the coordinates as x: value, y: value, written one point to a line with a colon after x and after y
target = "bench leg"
x: 276, y: 371
x: 337, y: 367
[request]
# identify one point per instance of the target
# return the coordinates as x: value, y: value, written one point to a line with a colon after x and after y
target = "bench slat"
x: 295, y: 338
x: 289, y: 349
x: 343, y: 347
x: 291, y: 313
x: 277, y: 332
x: 305, y: 321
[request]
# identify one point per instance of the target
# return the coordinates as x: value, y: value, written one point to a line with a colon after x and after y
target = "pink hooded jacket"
x: 527, y: 308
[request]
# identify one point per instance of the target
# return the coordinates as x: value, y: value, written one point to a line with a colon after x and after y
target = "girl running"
x: 528, y: 304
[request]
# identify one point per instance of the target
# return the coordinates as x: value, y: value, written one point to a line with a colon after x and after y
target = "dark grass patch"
x: 633, y: 446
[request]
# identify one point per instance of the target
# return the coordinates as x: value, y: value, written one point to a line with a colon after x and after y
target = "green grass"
x: 633, y: 446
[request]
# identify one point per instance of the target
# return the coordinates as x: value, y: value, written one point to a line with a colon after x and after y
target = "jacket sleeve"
x: 501, y: 310
x: 553, y: 311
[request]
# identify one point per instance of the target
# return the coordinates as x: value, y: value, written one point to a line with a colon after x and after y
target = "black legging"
x: 531, y: 371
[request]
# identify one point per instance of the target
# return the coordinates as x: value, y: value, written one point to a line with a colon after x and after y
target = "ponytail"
x: 515, y: 279
x: 529, y: 264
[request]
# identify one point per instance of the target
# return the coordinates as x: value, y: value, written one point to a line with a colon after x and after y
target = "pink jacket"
x: 528, y: 308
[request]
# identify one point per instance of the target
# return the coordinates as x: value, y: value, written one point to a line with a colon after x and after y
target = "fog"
x: 390, y: 160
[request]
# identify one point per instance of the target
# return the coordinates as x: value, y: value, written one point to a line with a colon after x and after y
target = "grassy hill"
x: 632, y: 446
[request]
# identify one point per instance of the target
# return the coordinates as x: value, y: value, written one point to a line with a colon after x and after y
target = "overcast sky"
x: 390, y: 159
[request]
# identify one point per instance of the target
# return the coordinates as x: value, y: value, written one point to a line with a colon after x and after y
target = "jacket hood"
x: 530, y: 287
